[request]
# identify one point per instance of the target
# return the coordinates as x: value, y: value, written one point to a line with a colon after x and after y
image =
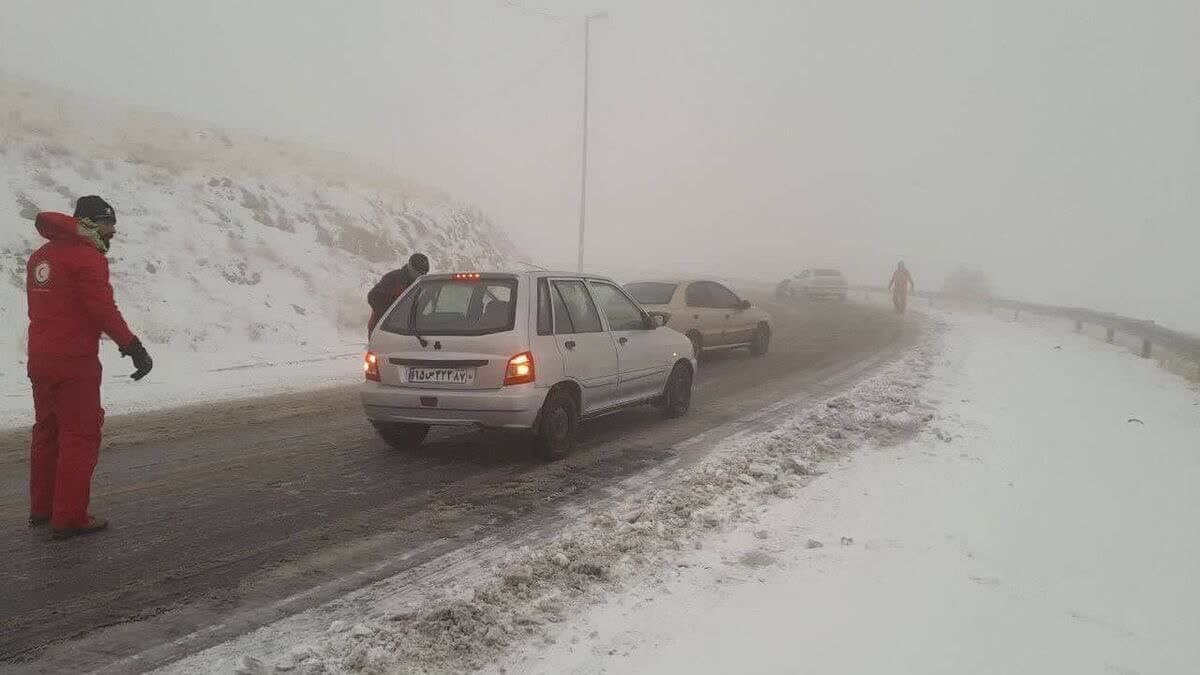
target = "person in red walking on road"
x: 70, y: 305
x: 901, y: 284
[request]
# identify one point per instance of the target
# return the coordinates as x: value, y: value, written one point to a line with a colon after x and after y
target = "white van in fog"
x: 820, y: 282
x: 537, y: 351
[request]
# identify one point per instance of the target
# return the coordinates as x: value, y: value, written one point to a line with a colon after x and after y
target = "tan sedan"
x: 709, y: 314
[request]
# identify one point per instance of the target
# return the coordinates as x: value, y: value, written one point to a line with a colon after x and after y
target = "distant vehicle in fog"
x: 820, y: 283
x: 709, y: 314
x: 967, y: 284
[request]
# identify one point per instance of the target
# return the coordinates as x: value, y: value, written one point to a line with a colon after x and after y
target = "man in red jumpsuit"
x: 70, y: 305
x: 901, y: 284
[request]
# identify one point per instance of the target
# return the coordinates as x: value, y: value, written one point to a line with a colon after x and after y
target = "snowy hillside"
x: 224, y: 240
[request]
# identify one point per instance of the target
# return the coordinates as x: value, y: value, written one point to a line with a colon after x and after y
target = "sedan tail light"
x: 520, y: 369
x: 371, y: 366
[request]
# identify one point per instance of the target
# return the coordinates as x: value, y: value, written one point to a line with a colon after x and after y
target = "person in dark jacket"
x: 70, y: 305
x: 392, y: 285
x: 900, y: 285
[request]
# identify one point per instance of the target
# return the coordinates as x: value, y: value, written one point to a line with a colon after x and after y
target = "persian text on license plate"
x: 441, y: 375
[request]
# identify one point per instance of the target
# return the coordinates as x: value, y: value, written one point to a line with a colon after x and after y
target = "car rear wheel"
x: 401, y: 435
x: 557, y: 425
x: 762, y: 340
x: 677, y: 396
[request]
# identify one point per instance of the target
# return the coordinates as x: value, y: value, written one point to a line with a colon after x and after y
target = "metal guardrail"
x: 1149, y: 332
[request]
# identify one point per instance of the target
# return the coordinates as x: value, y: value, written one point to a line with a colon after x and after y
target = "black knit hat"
x: 419, y: 262
x: 95, y: 209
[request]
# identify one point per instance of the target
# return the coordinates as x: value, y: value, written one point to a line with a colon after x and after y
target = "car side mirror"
x: 659, y: 319
x: 743, y: 305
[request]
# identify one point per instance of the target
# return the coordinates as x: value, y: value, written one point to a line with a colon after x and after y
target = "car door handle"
x: 623, y: 340
x: 569, y: 344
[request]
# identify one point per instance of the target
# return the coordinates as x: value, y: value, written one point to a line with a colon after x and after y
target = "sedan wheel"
x: 697, y: 344
x: 762, y: 340
x: 677, y: 397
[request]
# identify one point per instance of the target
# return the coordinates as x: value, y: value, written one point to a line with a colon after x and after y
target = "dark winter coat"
x: 391, y: 286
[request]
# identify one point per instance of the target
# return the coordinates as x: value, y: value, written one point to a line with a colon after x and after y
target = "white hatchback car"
x: 536, y: 351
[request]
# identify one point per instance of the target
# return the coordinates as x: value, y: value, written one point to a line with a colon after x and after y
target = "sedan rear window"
x: 455, y: 307
x: 652, y: 292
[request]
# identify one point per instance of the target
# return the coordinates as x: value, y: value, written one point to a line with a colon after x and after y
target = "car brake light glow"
x: 371, y: 366
x: 520, y: 369
x: 466, y: 276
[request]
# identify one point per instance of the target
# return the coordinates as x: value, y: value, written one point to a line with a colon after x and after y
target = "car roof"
x: 680, y: 281
x: 657, y: 281
x: 522, y: 273
x: 570, y: 275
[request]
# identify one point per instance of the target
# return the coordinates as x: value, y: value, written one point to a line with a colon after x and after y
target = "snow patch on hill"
x: 225, y: 241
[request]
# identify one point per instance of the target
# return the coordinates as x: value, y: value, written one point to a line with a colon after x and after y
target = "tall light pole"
x: 587, y: 33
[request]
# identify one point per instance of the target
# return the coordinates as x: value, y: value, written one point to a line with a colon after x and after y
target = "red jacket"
x: 70, y: 297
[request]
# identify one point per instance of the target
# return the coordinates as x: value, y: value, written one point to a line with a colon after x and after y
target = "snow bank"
x: 469, y: 624
x: 1043, y: 523
x: 226, y: 243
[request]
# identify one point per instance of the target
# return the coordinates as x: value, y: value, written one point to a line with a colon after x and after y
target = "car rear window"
x: 652, y: 292
x: 455, y: 307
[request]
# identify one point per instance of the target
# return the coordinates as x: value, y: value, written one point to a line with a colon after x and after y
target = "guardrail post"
x: 1078, y: 325
x: 1109, y: 335
x: 1146, y: 348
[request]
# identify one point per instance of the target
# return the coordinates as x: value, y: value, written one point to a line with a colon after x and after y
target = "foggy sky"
x: 1055, y: 145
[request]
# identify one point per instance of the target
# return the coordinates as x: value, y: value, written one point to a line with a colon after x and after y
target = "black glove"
x: 141, y: 358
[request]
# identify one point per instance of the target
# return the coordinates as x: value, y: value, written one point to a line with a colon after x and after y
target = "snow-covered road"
x: 259, y: 509
x: 1044, y: 522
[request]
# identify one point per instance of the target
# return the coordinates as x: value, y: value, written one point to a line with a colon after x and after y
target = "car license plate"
x: 441, y: 375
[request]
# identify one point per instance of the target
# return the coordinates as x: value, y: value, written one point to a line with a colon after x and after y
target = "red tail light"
x: 371, y: 366
x: 520, y: 369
